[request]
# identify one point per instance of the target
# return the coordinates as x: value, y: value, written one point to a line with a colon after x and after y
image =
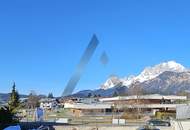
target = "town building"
x: 154, y: 102
x: 48, y: 103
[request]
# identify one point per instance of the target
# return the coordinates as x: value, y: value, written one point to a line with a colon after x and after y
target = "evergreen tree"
x: 115, y: 94
x: 14, y: 102
x: 7, y: 117
x: 89, y: 95
x: 50, y: 95
x: 8, y: 113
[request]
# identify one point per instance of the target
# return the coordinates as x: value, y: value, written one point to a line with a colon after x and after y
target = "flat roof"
x: 153, y: 106
x: 87, y: 106
x: 152, y: 96
x: 108, y: 106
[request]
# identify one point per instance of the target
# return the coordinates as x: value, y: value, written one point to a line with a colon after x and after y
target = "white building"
x: 48, y: 103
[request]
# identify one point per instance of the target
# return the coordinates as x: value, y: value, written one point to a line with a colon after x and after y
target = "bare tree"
x: 137, y: 90
x: 33, y: 100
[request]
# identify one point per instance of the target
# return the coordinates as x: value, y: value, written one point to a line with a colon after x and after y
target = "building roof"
x: 152, y: 106
x: 152, y: 96
x: 87, y: 106
x: 47, y: 100
x: 108, y: 106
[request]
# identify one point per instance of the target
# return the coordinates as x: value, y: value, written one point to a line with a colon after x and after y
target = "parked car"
x: 156, y: 122
x: 148, y: 127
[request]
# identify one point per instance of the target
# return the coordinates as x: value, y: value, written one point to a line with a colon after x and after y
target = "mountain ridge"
x: 147, y: 74
x: 165, y: 78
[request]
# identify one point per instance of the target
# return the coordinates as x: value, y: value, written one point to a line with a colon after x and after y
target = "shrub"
x: 7, y: 117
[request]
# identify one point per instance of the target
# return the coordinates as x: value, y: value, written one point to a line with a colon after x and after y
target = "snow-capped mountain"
x: 152, y: 72
x: 147, y: 74
x: 165, y: 78
x: 168, y: 83
x: 111, y: 82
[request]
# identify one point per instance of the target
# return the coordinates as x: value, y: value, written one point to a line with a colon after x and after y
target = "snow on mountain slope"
x: 147, y: 74
x: 111, y: 82
x: 152, y: 72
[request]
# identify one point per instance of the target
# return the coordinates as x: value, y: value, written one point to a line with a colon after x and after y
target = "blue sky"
x: 41, y: 41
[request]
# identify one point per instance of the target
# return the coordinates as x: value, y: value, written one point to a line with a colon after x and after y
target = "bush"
x: 132, y: 114
x: 165, y: 114
x: 7, y: 117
